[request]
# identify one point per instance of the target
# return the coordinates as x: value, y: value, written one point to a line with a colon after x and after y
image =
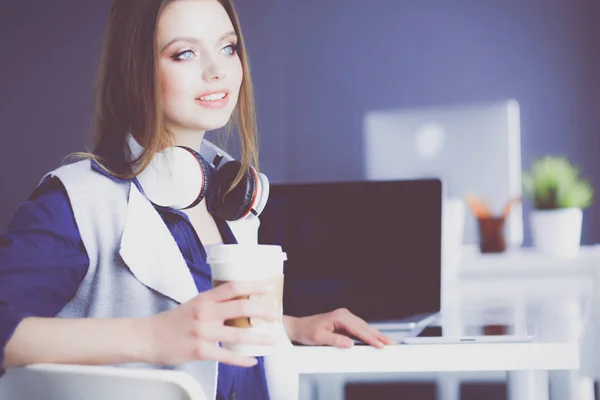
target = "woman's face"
x: 200, y: 70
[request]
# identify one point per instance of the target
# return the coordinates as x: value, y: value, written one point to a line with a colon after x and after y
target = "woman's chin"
x: 211, y: 124
x: 203, y: 123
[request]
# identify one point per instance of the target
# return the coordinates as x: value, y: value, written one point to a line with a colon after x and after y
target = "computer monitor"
x: 474, y: 148
x: 371, y: 247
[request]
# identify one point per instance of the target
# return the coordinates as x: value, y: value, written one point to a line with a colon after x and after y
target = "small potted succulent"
x: 559, y: 196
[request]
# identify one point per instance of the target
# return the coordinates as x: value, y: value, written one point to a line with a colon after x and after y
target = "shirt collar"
x: 96, y: 167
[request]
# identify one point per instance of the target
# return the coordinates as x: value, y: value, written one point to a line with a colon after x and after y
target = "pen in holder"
x: 491, y: 227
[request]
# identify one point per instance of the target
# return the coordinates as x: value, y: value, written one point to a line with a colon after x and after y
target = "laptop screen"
x: 373, y: 247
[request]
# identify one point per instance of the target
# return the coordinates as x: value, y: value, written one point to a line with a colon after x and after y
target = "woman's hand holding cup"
x: 192, y: 331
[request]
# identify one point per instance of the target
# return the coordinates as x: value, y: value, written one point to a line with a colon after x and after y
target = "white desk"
x: 354, y: 364
x: 438, y: 358
x: 553, y: 292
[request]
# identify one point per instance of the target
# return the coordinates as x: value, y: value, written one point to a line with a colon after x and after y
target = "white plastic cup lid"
x: 220, y: 253
x: 245, y: 262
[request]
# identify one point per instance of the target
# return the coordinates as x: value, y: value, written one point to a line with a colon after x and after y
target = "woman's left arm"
x: 335, y: 328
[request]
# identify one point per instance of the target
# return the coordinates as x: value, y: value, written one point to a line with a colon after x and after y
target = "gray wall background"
x: 318, y: 67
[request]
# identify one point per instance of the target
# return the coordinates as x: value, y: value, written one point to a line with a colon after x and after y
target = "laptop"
x: 373, y: 247
x: 474, y: 148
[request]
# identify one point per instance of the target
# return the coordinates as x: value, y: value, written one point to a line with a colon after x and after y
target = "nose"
x: 214, y: 72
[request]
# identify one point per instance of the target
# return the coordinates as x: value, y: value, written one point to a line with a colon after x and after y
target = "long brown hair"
x: 128, y: 91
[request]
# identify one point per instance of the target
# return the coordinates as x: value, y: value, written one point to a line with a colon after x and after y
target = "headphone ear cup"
x: 239, y: 202
x: 206, y: 173
x: 263, y: 193
x: 176, y: 177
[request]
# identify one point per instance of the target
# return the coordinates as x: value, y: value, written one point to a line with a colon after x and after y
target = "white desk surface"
x: 440, y: 358
x: 521, y: 277
x: 540, y: 355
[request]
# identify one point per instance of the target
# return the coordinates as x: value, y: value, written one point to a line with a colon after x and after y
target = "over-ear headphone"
x: 179, y: 177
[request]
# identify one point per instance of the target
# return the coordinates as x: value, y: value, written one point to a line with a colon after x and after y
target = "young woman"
x: 90, y: 247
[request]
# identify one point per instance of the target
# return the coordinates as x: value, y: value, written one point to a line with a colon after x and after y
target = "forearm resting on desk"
x: 75, y: 341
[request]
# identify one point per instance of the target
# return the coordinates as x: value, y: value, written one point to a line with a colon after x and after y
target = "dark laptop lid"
x: 373, y: 247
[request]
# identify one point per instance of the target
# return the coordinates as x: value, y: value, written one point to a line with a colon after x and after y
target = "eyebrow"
x: 191, y: 39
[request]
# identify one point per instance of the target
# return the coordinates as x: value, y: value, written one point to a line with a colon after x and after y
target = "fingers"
x: 247, y: 308
x: 365, y: 336
x: 228, y: 357
x: 335, y: 339
x: 358, y: 328
x: 229, y: 334
x: 232, y: 290
x: 380, y: 336
x: 385, y: 339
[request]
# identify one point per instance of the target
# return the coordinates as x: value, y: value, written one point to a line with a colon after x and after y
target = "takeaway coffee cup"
x: 251, y: 262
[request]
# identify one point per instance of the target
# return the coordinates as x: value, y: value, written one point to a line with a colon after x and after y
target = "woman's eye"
x: 230, y: 49
x: 184, y: 55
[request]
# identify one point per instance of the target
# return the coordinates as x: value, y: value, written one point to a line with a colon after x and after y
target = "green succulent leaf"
x: 553, y: 182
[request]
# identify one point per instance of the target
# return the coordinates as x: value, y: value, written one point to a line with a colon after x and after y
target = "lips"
x: 213, y: 99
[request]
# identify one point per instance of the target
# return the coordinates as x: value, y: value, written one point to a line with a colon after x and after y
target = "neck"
x: 189, y: 138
